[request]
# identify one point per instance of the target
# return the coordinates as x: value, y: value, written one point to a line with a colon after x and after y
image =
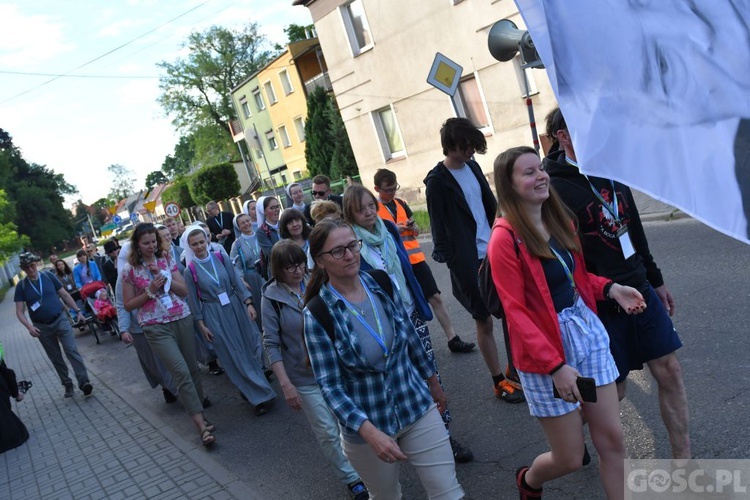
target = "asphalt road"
x: 707, y: 273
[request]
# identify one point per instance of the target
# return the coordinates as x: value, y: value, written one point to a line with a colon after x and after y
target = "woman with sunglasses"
x: 245, y: 256
x: 382, y: 248
x: 268, y: 209
x: 223, y: 309
x: 153, y: 286
x: 555, y: 336
x: 283, y: 329
x: 373, y: 376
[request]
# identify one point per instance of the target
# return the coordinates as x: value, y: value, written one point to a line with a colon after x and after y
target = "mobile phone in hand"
x: 586, y: 386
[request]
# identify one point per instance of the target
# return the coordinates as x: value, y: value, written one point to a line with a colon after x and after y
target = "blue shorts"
x: 638, y: 338
x: 586, y: 346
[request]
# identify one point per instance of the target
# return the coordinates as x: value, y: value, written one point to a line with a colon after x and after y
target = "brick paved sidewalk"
x: 98, y: 447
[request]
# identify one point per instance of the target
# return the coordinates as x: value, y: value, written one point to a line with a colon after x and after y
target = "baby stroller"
x: 103, y: 311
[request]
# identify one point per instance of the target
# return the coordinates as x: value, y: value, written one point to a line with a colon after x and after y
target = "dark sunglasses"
x: 319, y: 193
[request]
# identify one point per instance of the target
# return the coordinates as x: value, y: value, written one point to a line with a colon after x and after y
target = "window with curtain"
x: 389, y: 134
x: 470, y: 104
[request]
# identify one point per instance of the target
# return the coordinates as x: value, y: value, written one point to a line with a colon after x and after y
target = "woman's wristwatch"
x: 249, y: 302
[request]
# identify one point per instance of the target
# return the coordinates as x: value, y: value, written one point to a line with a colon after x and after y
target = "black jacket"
x: 217, y: 224
x: 109, y: 272
x: 453, y: 227
x: 597, y: 228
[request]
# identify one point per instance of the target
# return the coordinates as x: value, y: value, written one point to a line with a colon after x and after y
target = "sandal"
x: 207, y: 439
x: 208, y: 425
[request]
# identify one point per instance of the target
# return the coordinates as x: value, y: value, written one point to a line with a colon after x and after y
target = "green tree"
x: 179, y: 193
x: 35, y: 197
x: 10, y: 241
x: 296, y: 32
x: 217, y: 182
x: 196, y: 90
x: 123, y: 183
x: 327, y: 147
x: 343, y: 162
x: 318, y: 139
x: 155, y: 178
x: 180, y: 162
x: 212, y: 146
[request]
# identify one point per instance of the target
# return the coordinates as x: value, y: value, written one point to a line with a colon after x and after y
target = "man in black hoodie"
x: 615, y: 246
x: 462, y: 210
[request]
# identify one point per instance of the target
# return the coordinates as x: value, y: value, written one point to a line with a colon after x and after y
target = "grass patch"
x: 422, y: 219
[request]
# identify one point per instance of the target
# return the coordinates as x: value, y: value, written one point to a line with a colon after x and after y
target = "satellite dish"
x: 506, y: 40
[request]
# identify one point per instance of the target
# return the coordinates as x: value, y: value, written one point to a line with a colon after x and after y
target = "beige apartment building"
x: 379, y: 54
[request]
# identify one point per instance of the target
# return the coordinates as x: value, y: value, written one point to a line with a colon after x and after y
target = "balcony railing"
x: 321, y: 80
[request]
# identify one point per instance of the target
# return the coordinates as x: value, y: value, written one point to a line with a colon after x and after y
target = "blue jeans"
x: 326, y: 429
x: 59, y: 333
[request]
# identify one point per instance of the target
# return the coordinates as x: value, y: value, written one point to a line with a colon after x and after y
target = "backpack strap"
x: 191, y: 266
x: 320, y: 312
x: 277, y: 306
x: 383, y: 280
x: 219, y: 256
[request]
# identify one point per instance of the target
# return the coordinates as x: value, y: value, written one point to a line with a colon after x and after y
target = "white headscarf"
x: 122, y: 258
x: 188, y: 252
x: 245, y: 207
x: 260, y: 211
x: 237, y: 231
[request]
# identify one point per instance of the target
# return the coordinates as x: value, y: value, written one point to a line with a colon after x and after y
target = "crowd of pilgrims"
x: 324, y: 298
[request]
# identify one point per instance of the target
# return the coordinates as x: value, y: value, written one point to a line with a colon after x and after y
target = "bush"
x: 422, y: 219
x: 216, y: 182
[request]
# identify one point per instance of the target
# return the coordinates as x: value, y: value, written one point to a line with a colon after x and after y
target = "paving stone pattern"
x: 96, y: 447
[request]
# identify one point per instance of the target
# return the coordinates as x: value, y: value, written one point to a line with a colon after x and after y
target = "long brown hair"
x: 134, y: 258
x: 353, y: 201
x: 318, y: 238
x: 556, y: 217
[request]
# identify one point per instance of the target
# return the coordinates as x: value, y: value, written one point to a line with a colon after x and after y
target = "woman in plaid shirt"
x: 375, y: 376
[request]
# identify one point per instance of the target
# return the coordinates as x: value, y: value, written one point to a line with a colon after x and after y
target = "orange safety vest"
x: 407, y: 235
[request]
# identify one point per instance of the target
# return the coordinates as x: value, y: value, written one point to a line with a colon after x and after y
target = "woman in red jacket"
x: 555, y: 335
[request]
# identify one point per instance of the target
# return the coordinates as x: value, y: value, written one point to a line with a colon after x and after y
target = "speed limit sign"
x: 172, y: 209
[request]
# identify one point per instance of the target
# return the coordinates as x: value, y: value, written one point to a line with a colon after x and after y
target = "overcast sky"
x: 80, y: 126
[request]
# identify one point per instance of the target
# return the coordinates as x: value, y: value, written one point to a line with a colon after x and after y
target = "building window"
x: 357, y: 27
x: 297, y: 175
x: 272, y: 144
x: 245, y: 107
x: 269, y: 92
x: 284, y: 136
x: 470, y: 103
x: 299, y: 124
x: 389, y: 134
x: 283, y: 179
x: 259, y: 99
x: 286, y: 82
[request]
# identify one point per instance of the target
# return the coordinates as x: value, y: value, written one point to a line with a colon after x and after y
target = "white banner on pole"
x: 656, y: 94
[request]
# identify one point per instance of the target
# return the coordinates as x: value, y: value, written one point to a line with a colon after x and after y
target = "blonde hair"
x: 323, y: 209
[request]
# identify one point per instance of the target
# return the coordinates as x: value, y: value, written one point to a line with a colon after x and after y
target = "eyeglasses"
x: 339, y: 252
x: 296, y: 267
x: 319, y: 193
x: 391, y: 190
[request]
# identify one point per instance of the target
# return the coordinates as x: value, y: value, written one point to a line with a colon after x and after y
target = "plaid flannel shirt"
x: 354, y: 389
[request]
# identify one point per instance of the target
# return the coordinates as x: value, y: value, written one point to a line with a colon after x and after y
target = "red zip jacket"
x: 535, y: 339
